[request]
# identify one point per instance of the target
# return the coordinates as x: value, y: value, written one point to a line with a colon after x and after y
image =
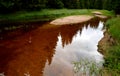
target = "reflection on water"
x: 82, y: 46
x: 50, y: 50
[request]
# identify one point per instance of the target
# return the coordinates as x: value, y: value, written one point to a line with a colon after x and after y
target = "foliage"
x: 112, y: 58
x: 7, y: 6
x: 55, y: 4
x: 114, y: 26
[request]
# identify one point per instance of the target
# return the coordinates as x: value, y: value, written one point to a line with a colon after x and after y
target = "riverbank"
x: 47, y: 14
x: 69, y: 20
x: 110, y: 47
x: 15, y: 20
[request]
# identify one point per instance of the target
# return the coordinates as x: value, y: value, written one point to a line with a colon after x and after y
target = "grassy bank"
x: 112, y: 57
x: 48, y: 14
x: 15, y: 20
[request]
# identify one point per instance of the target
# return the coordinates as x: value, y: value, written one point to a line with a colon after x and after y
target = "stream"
x: 50, y: 50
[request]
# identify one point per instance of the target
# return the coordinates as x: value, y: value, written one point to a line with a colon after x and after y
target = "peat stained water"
x: 50, y: 50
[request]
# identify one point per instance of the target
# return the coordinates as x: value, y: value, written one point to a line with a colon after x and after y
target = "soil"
x: 105, y: 43
x: 75, y: 19
x: 101, y: 16
x: 97, y: 13
x: 71, y: 20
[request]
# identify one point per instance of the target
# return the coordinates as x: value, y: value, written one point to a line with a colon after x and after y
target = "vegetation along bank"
x: 110, y: 47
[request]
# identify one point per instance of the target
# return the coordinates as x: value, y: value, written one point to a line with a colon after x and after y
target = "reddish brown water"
x: 49, y: 50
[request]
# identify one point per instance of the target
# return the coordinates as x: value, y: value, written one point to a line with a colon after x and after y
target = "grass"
x: 112, y: 60
x: 48, y: 14
x: 86, y: 67
x: 107, y: 13
x: 112, y: 57
x: 114, y: 27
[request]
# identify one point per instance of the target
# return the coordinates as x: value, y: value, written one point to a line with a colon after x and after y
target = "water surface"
x: 81, y: 46
x: 50, y: 50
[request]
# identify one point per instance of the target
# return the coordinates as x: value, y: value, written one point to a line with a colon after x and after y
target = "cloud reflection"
x: 83, y: 46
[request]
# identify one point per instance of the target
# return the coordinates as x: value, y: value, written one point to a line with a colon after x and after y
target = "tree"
x: 117, y: 6
x: 55, y: 4
x: 8, y: 6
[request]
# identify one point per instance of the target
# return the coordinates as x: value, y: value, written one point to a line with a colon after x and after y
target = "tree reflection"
x: 29, y: 52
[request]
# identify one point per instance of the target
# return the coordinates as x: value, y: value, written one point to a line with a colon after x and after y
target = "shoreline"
x: 75, y: 19
x: 47, y: 15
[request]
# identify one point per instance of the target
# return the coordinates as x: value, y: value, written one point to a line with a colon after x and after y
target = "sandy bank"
x: 99, y: 14
x: 71, y: 20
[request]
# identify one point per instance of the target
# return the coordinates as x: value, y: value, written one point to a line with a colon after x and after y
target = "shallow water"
x: 50, y: 50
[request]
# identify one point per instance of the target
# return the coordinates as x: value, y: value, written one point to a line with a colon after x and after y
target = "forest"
x: 10, y: 6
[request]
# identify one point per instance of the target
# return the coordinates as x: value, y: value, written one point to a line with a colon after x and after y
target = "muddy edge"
x: 105, y: 42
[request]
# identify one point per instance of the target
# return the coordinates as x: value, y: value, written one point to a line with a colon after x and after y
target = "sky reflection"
x: 83, y: 46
